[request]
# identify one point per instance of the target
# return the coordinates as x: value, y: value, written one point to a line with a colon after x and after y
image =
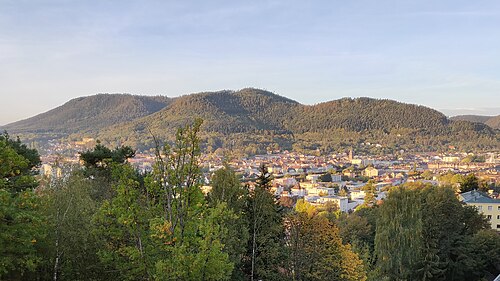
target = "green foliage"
x: 255, y: 121
x: 370, y: 194
x: 227, y: 189
x: 21, y: 223
x: 102, y: 157
x: 422, y: 233
x: 16, y: 165
x: 326, y: 177
x: 266, y: 244
x: 200, y: 256
x: 70, y: 248
x: 485, y: 249
x: 317, y: 252
x: 468, y: 183
x: 358, y: 229
x: 492, y: 121
x: 21, y: 228
x: 122, y: 223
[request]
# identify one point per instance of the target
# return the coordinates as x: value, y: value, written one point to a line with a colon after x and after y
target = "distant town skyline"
x: 444, y: 55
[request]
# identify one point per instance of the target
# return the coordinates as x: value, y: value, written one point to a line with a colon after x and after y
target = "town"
x: 342, y: 179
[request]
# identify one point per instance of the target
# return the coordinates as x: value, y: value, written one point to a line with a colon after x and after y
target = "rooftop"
x: 475, y: 196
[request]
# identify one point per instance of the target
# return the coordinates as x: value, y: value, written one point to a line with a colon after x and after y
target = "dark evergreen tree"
x: 265, y: 251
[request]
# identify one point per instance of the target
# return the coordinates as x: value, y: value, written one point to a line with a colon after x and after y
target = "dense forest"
x: 255, y: 121
x: 89, y: 114
x: 492, y: 121
x: 106, y: 221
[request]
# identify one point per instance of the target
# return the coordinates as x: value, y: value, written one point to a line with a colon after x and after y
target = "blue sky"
x: 442, y: 54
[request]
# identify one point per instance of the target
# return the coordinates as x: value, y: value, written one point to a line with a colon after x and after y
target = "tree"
x: 370, y: 194
x: 99, y: 163
x: 422, y: 232
x: 122, y: 223
x: 357, y: 230
x: 317, y: 252
x: 177, y: 178
x: 326, y: 177
x: 468, y: 183
x: 31, y: 155
x: 266, y: 230
x: 101, y: 156
x: 186, y: 230
x: 70, y: 249
x: 398, y: 242
x: 17, y: 165
x: 227, y: 188
x: 427, y: 174
x: 21, y: 226
x: 485, y: 246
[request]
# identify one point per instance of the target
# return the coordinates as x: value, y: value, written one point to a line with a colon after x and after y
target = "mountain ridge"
x: 90, y: 113
x: 253, y: 117
x: 492, y: 121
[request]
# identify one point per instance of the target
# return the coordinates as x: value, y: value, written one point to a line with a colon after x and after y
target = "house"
x: 358, y: 194
x: 313, y: 178
x: 487, y: 206
x: 451, y: 159
x: 286, y: 181
x: 370, y: 172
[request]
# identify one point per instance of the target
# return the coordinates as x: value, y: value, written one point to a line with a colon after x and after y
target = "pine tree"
x: 265, y: 247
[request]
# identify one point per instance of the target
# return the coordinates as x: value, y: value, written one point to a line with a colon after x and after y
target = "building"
x: 371, y: 172
x: 336, y: 178
x: 487, y: 206
x: 451, y: 159
x: 313, y: 178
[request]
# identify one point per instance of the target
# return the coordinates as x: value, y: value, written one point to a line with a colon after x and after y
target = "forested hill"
x: 224, y: 112
x: 492, y: 121
x: 256, y: 120
x: 250, y: 110
x: 89, y: 114
x: 363, y: 114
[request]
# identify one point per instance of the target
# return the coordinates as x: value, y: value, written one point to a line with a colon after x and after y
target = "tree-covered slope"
x: 256, y: 120
x: 362, y: 114
x: 471, y: 118
x: 224, y: 112
x: 89, y: 114
x: 492, y: 121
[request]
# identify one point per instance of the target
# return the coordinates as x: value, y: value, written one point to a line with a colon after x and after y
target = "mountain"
x: 89, y: 114
x: 254, y: 120
x: 363, y: 114
x: 224, y: 112
x: 492, y: 121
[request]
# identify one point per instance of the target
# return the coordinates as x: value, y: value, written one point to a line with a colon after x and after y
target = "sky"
x: 442, y: 54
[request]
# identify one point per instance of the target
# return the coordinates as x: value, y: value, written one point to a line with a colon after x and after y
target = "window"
x: 490, y: 208
x: 489, y: 217
x: 498, y: 217
x: 498, y: 225
x: 480, y: 208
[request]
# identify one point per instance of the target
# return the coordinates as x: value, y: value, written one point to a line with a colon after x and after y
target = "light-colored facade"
x: 371, y: 172
x: 489, y: 207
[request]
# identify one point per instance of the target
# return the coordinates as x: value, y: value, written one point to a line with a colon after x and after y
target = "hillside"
x: 89, y: 114
x: 492, y: 121
x: 253, y: 121
x: 224, y: 113
x: 363, y: 114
